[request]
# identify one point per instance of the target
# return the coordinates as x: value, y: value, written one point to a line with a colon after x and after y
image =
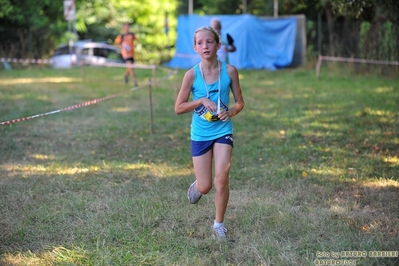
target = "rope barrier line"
x: 358, y: 60
x: 49, y: 61
x: 76, y: 106
x: 27, y: 118
x: 20, y: 60
x: 351, y: 60
x: 109, y: 64
x: 165, y: 69
x: 134, y: 65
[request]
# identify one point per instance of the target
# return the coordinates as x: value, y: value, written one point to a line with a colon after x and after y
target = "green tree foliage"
x: 388, y: 46
x: 6, y: 8
x: 366, y: 9
x: 35, y: 27
x: 351, y: 8
x: 24, y: 26
x: 219, y: 7
x: 228, y: 7
x: 101, y: 20
x: 364, y: 30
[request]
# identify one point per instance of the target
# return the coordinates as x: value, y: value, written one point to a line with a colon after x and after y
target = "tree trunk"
x: 330, y: 26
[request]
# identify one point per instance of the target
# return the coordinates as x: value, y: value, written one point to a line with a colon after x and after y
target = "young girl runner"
x: 210, y: 83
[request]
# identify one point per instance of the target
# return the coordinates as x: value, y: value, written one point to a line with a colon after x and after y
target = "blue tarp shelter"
x: 261, y: 44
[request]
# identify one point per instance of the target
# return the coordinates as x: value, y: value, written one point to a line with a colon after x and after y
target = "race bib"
x: 126, y: 46
x: 206, y: 114
x: 209, y: 116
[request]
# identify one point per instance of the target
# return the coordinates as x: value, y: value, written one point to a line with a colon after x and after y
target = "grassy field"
x: 315, y: 171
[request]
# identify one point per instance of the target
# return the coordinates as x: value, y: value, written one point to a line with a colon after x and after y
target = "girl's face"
x: 205, y: 44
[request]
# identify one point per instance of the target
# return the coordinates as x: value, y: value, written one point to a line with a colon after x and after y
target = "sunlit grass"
x: 60, y: 254
x: 38, y: 80
x: 161, y: 170
x: 121, y: 110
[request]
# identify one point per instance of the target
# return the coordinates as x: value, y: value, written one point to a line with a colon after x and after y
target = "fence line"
x: 351, y: 60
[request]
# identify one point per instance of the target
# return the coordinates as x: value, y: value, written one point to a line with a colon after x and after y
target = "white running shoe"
x: 193, y: 194
x: 219, y: 233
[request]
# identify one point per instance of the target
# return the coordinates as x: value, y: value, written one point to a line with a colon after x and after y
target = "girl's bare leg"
x: 203, y: 172
x: 222, y: 156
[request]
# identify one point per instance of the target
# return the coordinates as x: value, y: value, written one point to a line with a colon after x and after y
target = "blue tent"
x: 261, y: 44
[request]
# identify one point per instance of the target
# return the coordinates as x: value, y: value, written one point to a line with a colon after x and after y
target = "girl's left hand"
x: 223, y: 115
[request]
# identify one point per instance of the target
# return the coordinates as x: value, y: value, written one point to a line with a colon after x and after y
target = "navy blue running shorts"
x: 199, y: 148
x: 129, y: 60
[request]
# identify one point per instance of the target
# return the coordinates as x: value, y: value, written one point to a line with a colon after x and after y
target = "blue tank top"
x: 201, y: 129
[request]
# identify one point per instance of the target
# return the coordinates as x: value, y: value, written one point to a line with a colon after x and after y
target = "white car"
x: 86, y: 52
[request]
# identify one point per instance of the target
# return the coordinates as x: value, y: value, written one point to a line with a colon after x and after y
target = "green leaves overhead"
x: 6, y: 8
x: 103, y: 19
x: 35, y: 27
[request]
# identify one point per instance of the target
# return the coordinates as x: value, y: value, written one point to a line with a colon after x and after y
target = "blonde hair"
x: 211, y: 30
